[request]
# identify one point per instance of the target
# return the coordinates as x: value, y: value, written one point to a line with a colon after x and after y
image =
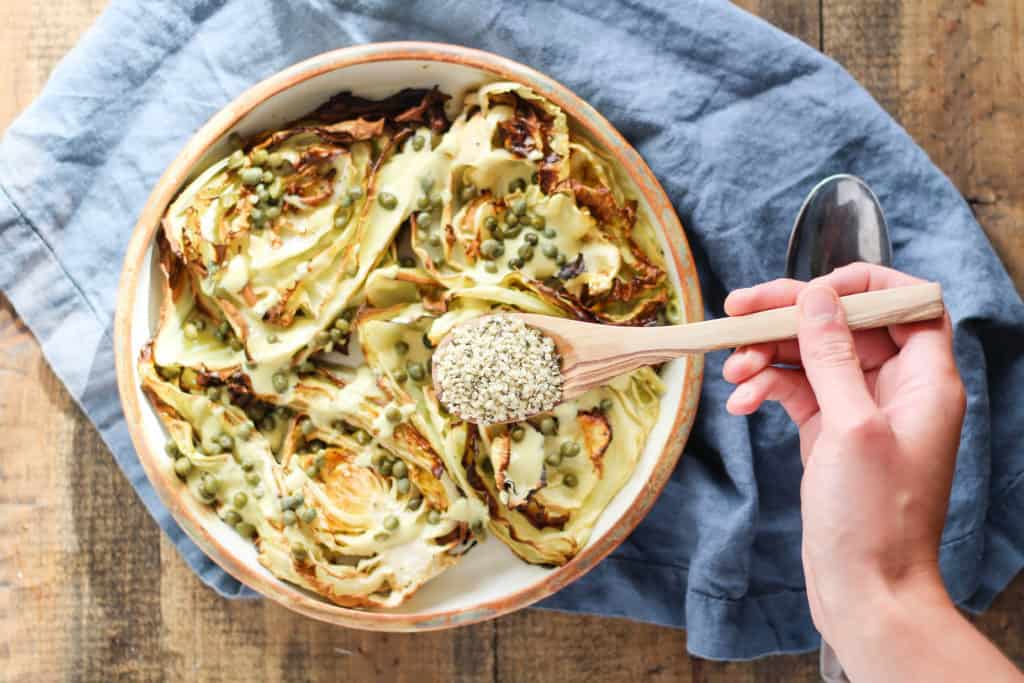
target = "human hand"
x: 879, y: 414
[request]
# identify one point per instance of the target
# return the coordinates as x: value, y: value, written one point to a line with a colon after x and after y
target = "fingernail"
x: 742, y: 394
x: 819, y: 303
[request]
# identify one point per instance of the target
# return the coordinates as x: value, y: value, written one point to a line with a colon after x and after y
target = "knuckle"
x: 832, y: 352
x: 871, y: 426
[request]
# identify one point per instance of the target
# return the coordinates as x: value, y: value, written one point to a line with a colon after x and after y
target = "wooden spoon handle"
x: 863, y: 311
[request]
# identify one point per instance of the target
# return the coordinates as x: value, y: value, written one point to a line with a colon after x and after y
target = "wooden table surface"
x: 89, y: 588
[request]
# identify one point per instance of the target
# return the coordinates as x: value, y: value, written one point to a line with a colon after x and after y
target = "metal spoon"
x: 840, y: 222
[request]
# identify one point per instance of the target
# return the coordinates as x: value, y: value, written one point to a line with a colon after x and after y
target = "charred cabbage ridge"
x: 309, y: 275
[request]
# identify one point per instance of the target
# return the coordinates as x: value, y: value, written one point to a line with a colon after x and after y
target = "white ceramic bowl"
x: 490, y: 580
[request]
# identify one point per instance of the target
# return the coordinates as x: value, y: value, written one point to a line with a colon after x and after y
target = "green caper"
x: 226, y: 442
x: 259, y: 157
x: 570, y: 480
x: 490, y: 223
x: 312, y: 472
x: 393, y: 414
x: 267, y: 177
x: 257, y: 216
x: 550, y: 233
x: 672, y: 313
x: 190, y: 331
x: 306, y: 427
x: 549, y: 250
x: 414, y: 502
x: 435, y: 240
x: 515, y: 262
x: 511, y: 219
x: 531, y: 238
x: 210, y: 484
x: 492, y: 249
x: 426, y: 183
x: 236, y: 345
x: 423, y: 202
x: 436, y: 201
x: 299, y: 552
x: 251, y: 176
x: 171, y: 449
x: 214, y: 448
x: 293, y: 501
x: 401, y: 376
x: 236, y: 159
x: 525, y: 252
x: 517, y: 433
x: 402, y: 486
x: 391, y: 522
x: 280, y: 381
x: 538, y: 222
x: 491, y: 267
x: 605, y: 405
x: 345, y: 201
x: 232, y: 517
x: 423, y: 218
x: 511, y: 231
x: 308, y: 515
x: 519, y: 207
x: 267, y: 423
x: 273, y: 338
x: 276, y: 190
x: 356, y: 193
x: 399, y: 469
x: 401, y: 347
x: 336, y: 335
x: 342, y: 218
x: 305, y: 367
x: 569, y: 449
x: 289, y: 517
x: 182, y: 466
x: 363, y: 437
x: 561, y: 259
x: 553, y: 459
x: 385, y: 467
x: 415, y: 371
x: 517, y: 185
x: 252, y: 479
x: 240, y: 500
x: 274, y: 160
x: 417, y: 142
x: 433, y: 516
x: 387, y: 200
x: 245, y: 530
x: 548, y: 426
x: 468, y: 192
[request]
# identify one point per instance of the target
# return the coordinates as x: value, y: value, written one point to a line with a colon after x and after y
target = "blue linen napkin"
x: 721, y: 106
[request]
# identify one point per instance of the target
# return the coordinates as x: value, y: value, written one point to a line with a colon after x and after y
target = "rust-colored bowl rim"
x: 603, y: 133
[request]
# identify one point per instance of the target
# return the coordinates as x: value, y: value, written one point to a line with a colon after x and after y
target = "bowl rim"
x: 173, y: 178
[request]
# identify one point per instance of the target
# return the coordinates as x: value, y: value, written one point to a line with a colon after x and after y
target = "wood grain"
x: 89, y: 590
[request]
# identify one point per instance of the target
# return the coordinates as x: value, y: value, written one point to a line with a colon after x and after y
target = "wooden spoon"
x: 593, y: 354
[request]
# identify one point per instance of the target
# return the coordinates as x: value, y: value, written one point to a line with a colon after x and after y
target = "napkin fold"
x: 737, y: 120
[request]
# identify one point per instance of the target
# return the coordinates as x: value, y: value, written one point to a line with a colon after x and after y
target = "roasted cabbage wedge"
x: 308, y: 276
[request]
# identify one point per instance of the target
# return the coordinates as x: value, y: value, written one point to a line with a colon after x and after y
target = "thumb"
x: 829, y: 356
